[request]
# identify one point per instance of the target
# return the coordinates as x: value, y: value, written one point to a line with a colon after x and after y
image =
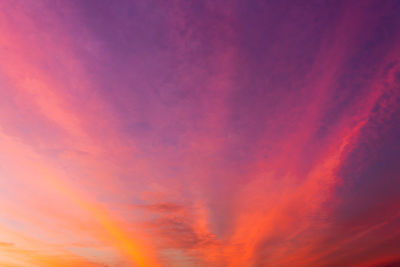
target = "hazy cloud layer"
x: 199, y: 133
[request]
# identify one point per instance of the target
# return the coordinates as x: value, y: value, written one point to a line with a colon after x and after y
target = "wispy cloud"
x: 199, y: 133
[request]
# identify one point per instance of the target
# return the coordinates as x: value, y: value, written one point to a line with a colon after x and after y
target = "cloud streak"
x: 199, y: 133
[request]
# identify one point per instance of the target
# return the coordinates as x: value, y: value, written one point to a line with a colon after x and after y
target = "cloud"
x: 6, y: 244
x: 218, y: 134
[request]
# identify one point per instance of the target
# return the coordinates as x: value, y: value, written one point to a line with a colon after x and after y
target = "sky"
x: 186, y: 133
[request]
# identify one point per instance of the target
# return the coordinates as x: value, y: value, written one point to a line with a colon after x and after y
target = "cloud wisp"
x: 231, y: 133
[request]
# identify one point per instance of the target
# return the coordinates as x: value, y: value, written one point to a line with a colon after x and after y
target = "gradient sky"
x: 199, y: 133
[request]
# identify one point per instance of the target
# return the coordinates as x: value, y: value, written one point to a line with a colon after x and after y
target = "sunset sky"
x: 188, y: 133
